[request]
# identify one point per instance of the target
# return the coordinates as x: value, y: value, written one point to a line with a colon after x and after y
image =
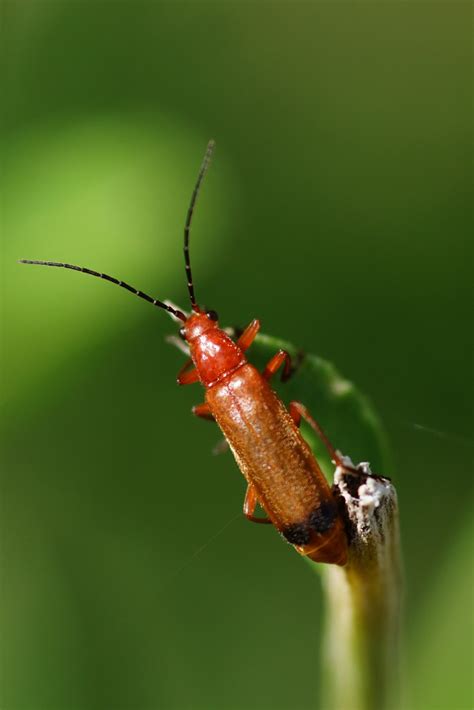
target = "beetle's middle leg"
x: 282, y: 357
x: 203, y: 411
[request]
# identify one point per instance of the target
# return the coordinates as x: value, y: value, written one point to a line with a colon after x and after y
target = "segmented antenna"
x: 106, y: 277
x: 187, y: 226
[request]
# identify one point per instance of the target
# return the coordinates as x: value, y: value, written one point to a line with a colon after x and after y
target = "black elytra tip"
x: 323, y: 516
x: 297, y: 534
x: 320, y: 521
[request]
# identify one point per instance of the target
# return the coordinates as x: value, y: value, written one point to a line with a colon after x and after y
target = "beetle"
x: 283, y: 476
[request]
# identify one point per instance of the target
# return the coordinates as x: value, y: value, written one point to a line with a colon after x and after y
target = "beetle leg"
x: 178, y: 343
x: 204, y: 411
x: 250, y: 503
x: 246, y: 339
x: 276, y: 362
x: 221, y: 447
x: 187, y: 376
x: 297, y: 412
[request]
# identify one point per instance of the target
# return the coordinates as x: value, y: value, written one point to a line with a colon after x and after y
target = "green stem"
x: 363, y: 600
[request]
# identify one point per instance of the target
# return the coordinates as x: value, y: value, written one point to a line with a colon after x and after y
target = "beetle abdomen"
x: 276, y: 460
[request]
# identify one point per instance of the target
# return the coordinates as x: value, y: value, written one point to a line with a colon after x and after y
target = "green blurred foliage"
x: 337, y: 211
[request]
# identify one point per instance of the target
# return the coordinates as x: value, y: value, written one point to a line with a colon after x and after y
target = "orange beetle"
x: 283, y: 476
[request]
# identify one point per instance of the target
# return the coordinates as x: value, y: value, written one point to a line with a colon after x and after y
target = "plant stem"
x: 363, y: 598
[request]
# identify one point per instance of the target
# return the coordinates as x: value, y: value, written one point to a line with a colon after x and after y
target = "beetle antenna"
x: 189, y: 216
x: 106, y: 277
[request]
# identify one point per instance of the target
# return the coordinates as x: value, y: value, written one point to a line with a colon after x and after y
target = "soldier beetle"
x: 282, y: 474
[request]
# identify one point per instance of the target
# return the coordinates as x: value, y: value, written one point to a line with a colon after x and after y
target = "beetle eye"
x: 212, y: 315
x: 182, y: 333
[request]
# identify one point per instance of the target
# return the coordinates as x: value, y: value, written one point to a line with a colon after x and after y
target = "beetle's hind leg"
x: 250, y: 503
x: 297, y: 412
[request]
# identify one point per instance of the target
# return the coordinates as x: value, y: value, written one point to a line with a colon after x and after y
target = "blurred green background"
x: 337, y: 211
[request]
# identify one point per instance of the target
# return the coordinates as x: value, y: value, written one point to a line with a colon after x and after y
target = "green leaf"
x: 346, y: 415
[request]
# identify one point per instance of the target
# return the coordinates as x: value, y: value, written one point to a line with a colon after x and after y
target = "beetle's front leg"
x: 248, y: 336
x: 186, y: 376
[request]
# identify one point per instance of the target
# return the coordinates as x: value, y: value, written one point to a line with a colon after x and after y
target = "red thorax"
x: 214, y: 353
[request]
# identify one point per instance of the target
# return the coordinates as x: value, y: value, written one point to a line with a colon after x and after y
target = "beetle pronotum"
x: 283, y: 476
